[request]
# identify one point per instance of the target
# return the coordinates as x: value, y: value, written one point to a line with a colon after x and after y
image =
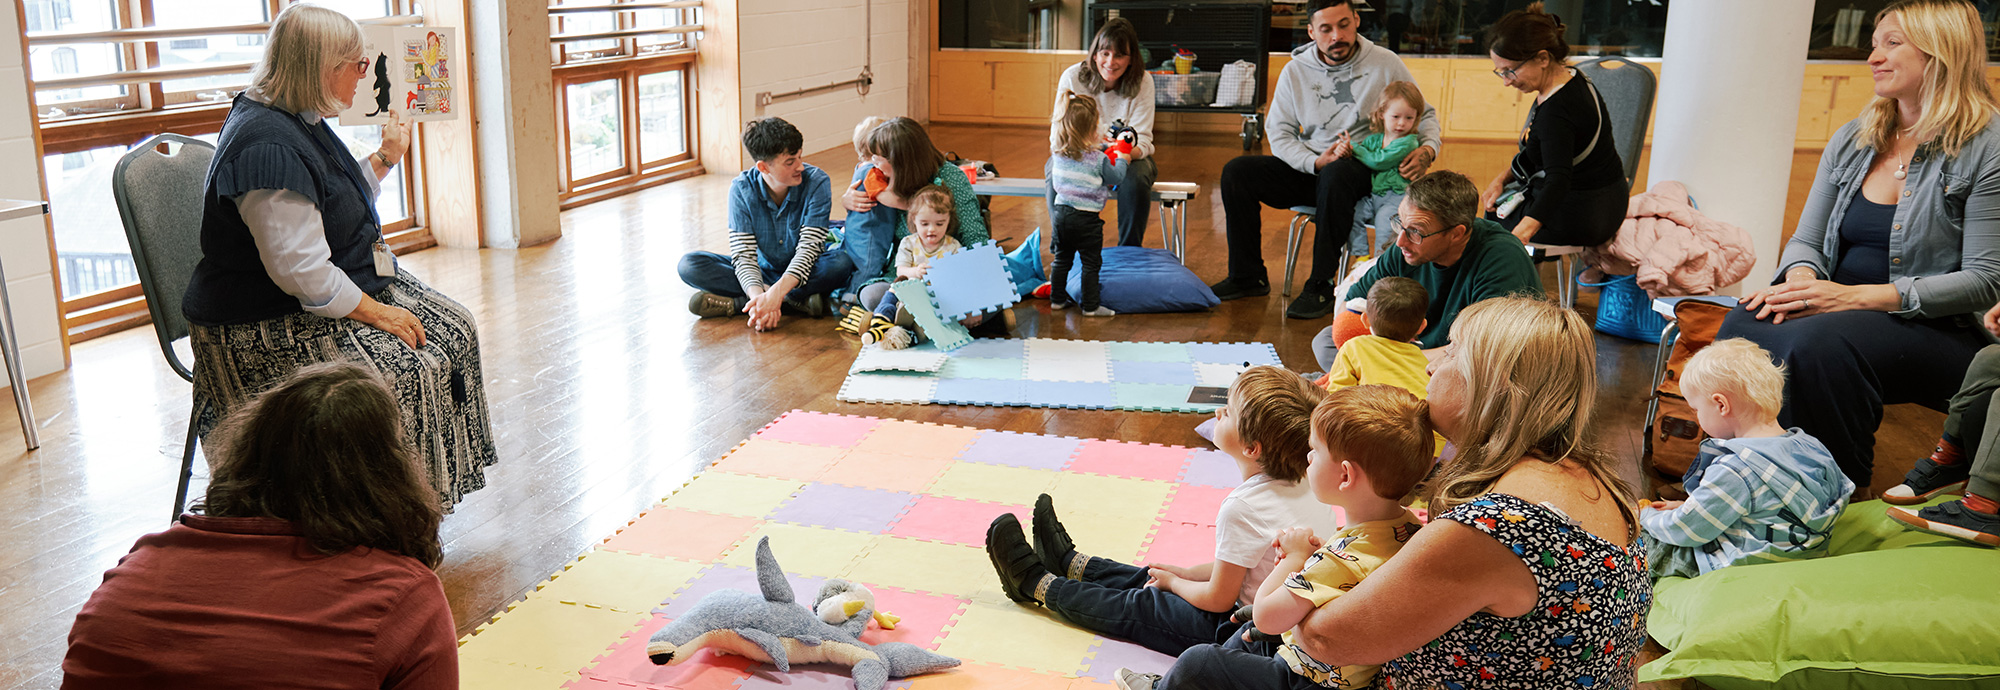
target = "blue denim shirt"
x: 776, y: 226
x: 1944, y: 245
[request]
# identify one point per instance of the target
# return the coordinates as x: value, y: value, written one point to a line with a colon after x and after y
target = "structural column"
x: 1726, y: 115
x: 519, y: 155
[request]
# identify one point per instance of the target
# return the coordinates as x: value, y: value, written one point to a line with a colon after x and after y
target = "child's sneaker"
x: 1129, y: 679
x: 1101, y: 310
x: 1928, y: 480
x: 1953, y: 519
x: 1059, y: 305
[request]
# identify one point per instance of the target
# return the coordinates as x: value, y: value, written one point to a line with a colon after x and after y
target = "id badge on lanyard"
x: 385, y: 260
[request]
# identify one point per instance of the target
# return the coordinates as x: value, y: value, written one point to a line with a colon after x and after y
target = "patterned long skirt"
x: 438, y: 387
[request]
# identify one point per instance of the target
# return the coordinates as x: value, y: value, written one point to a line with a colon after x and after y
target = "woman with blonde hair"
x: 1534, y: 551
x: 1898, y: 248
x: 294, y: 269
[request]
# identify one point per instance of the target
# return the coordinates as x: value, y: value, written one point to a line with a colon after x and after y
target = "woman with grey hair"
x: 294, y: 270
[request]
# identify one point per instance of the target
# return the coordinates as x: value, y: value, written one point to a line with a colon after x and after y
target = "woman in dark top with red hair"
x: 307, y: 565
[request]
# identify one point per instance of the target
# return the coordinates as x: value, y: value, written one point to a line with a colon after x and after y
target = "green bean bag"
x: 1890, y: 608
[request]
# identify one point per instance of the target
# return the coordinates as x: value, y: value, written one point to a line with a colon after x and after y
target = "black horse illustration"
x: 381, y: 85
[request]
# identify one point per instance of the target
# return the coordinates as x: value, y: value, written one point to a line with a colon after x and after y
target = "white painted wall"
x: 24, y: 242
x: 795, y: 44
x: 519, y: 155
x: 1725, y: 131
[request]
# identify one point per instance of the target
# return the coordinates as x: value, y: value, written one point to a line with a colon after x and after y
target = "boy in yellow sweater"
x: 1395, y: 315
x: 1371, y: 444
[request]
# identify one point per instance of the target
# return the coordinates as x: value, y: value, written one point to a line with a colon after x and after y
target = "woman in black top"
x: 1573, y: 181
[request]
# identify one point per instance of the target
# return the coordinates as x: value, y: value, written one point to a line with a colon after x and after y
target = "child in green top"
x: 1394, y: 122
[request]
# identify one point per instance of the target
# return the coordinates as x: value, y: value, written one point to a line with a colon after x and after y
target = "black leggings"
x: 1842, y: 367
x: 1250, y: 183
x: 1589, y: 217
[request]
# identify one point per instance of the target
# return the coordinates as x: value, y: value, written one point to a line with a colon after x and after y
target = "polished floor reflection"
x: 607, y: 395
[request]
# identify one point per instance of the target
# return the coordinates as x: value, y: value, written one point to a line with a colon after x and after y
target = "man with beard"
x: 1322, y: 100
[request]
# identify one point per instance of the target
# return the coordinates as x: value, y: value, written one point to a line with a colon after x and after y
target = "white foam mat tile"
x: 1068, y: 360
x: 926, y: 357
x: 1214, y: 374
x: 913, y: 389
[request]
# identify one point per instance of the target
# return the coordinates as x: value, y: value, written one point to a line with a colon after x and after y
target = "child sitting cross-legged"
x: 1757, y: 492
x: 1388, y: 355
x: 930, y: 220
x: 1265, y: 428
x: 1371, y: 444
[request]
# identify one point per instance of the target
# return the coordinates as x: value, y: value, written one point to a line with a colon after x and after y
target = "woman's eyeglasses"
x: 1508, y: 73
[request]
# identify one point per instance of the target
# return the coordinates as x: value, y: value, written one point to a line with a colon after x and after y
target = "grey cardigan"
x: 1944, y: 245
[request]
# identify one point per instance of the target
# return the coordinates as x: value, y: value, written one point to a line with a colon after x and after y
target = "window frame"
x: 631, y: 63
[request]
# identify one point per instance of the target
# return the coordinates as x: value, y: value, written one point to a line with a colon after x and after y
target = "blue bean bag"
x: 1142, y: 280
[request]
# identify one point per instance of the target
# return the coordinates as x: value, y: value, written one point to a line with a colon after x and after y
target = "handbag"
x: 1514, y: 194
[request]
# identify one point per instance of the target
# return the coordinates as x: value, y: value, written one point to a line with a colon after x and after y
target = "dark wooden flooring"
x: 607, y: 395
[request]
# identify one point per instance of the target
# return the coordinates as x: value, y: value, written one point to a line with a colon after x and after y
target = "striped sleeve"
x: 743, y: 253
x: 1719, y: 503
x: 812, y: 241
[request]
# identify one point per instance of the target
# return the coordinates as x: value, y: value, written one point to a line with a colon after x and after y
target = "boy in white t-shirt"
x: 1266, y: 428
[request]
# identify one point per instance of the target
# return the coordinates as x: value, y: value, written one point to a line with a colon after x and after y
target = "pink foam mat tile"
x: 919, y: 439
x: 682, y: 534
x: 924, y: 616
x: 625, y: 664
x: 1136, y: 460
x: 952, y: 520
x: 1194, y: 503
x: 1111, y: 655
x: 808, y: 677
x: 1180, y: 543
x: 780, y: 459
x: 819, y: 428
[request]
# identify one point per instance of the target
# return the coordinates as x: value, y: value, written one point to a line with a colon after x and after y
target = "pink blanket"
x: 1673, y: 248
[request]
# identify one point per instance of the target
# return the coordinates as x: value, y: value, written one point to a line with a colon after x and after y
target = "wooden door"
x: 1023, y: 87
x: 962, y: 88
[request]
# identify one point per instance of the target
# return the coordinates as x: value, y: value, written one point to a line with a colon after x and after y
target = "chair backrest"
x: 1628, y: 93
x: 159, y: 199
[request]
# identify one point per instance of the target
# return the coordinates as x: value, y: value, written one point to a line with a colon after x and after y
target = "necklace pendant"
x: 1899, y: 173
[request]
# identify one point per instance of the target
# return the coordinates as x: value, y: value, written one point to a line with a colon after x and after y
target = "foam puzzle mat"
x: 899, y: 506
x: 1041, y: 372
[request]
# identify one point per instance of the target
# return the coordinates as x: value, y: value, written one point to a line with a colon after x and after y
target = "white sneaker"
x: 1129, y: 679
x: 1101, y: 310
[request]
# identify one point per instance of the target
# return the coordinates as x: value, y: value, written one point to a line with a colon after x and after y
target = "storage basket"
x: 1185, y: 89
x: 1625, y: 310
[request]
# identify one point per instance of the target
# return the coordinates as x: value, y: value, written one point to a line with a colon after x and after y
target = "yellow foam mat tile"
x: 918, y: 439
x: 549, y: 635
x: 1014, y: 635
x: 803, y: 550
x: 885, y: 471
x: 733, y: 494
x: 977, y: 676
x: 1108, y: 495
x: 778, y: 459
x: 923, y: 566
x: 1117, y: 536
x: 994, y: 483
x: 625, y: 582
x: 492, y: 675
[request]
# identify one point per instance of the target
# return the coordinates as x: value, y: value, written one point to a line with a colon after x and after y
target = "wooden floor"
x: 607, y: 395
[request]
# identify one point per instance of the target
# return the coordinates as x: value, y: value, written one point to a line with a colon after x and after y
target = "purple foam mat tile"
x: 1076, y: 395
x: 808, y: 677
x: 1111, y: 655
x: 1212, y: 468
x: 1234, y: 353
x: 720, y: 577
x: 843, y: 507
x: 982, y: 392
x: 1032, y: 451
x: 998, y: 348
x: 1173, y: 373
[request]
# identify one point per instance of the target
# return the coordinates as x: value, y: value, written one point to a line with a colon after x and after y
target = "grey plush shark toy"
x: 774, y: 628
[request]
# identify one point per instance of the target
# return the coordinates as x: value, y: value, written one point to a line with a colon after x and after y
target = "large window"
x: 623, y: 73
x: 110, y: 73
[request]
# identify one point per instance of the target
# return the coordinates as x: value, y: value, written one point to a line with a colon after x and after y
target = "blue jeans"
x: 1135, y: 201
x: 1234, y: 665
x: 871, y: 239
x: 1113, y: 599
x: 1376, y: 210
x: 712, y: 272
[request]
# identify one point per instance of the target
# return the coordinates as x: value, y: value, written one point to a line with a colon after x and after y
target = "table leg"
x: 10, y: 347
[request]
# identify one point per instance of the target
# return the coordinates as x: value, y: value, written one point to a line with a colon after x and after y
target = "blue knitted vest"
x: 262, y: 147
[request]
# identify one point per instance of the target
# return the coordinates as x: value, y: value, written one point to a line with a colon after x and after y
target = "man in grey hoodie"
x: 1323, y: 96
